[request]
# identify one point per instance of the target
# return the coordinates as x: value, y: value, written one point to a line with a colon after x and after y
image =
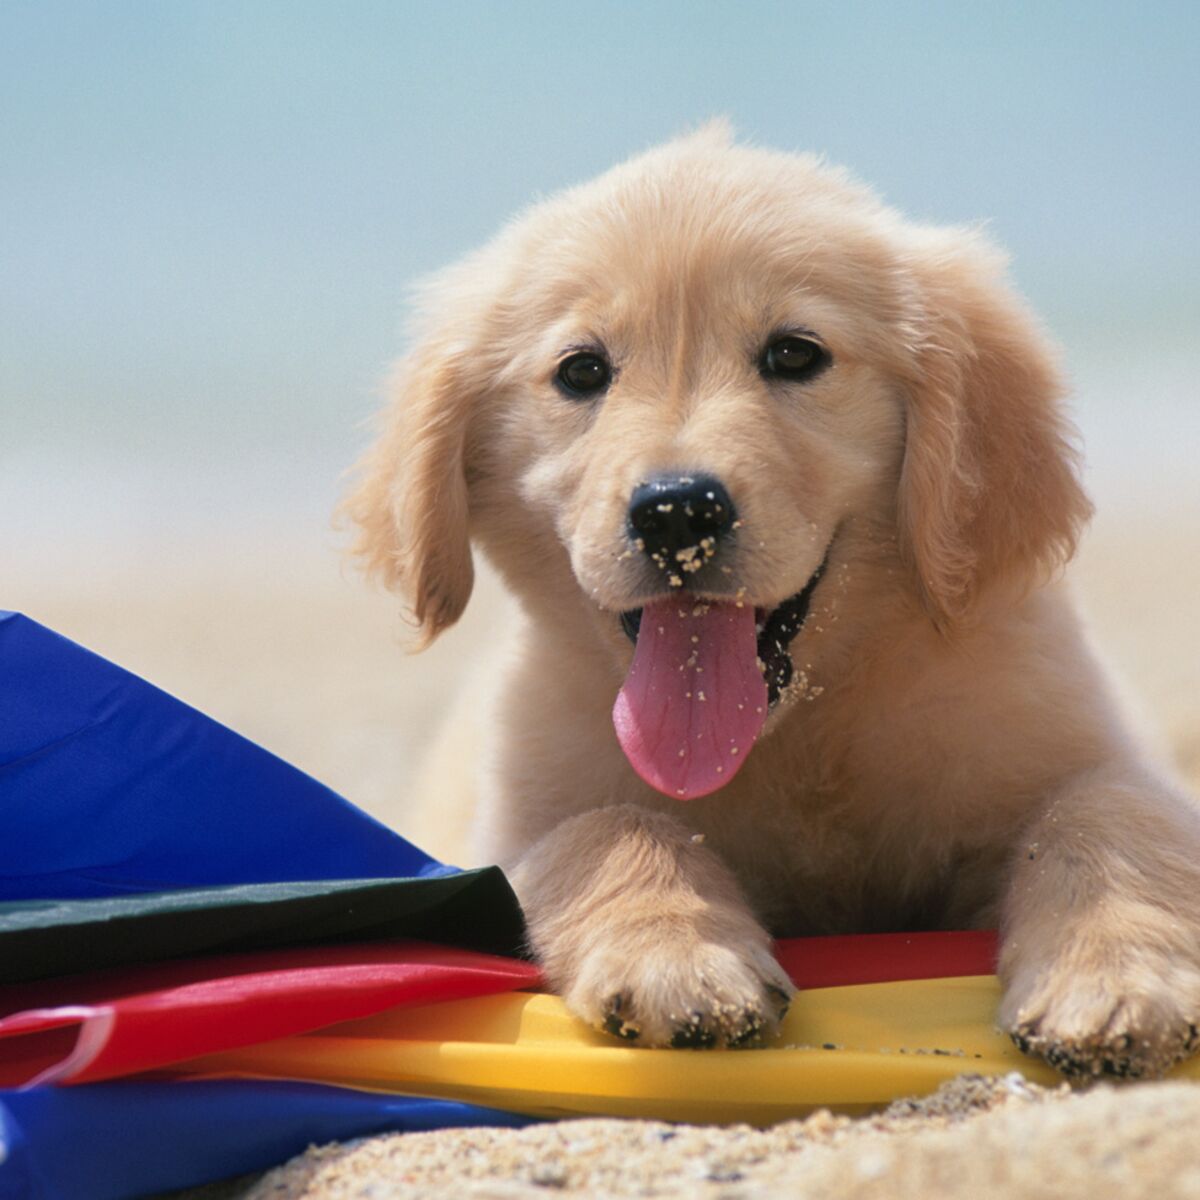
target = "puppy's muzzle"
x: 679, y: 521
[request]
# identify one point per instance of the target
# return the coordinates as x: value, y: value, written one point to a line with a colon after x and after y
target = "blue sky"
x: 209, y: 212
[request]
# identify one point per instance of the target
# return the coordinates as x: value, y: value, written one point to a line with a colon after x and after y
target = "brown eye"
x: 583, y: 374
x: 794, y: 358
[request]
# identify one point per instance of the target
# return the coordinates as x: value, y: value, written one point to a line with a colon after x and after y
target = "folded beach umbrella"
x: 138, y: 830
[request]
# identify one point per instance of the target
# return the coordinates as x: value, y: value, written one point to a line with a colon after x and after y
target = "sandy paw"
x: 708, y: 996
x: 1114, y: 1052
x: 1089, y: 1028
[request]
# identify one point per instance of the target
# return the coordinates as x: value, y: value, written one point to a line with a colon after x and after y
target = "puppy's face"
x: 680, y: 393
x: 699, y: 391
x: 699, y: 402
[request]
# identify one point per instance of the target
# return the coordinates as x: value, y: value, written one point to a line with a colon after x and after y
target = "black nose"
x: 678, y: 520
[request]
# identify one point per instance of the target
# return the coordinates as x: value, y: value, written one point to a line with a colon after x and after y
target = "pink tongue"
x: 694, y: 700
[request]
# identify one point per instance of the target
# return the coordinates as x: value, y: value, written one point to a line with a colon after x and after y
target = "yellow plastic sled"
x: 846, y: 1048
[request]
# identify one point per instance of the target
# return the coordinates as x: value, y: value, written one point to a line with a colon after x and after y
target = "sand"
x: 975, y: 1137
x: 276, y: 641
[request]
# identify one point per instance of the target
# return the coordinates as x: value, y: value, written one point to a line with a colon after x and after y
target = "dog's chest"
x: 828, y: 866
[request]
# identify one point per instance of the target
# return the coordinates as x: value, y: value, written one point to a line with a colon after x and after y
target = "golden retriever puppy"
x: 782, y: 483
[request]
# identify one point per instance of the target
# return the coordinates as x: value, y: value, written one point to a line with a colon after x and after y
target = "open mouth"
x: 704, y: 675
x: 775, y: 631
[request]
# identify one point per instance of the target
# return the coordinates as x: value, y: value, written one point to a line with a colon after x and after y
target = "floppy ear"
x: 410, y: 501
x: 989, y: 489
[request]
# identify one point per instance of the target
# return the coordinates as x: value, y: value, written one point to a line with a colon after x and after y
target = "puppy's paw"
x: 696, y: 995
x: 1129, y: 1021
x: 645, y: 934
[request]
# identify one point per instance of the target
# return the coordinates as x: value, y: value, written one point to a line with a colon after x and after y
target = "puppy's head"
x: 670, y: 403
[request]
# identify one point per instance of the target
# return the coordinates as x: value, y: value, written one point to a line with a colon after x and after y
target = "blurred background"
x: 210, y: 214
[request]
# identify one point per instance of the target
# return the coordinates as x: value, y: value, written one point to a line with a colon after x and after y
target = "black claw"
x: 617, y: 1027
x: 614, y: 1023
x: 754, y: 1021
x: 693, y: 1037
x: 1063, y: 1061
x: 748, y: 1035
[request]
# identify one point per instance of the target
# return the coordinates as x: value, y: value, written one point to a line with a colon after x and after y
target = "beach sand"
x: 996, y: 1138
x: 284, y: 645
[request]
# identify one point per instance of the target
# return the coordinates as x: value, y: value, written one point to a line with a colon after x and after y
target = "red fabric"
x: 886, y: 957
x: 134, y: 1019
x: 105, y: 1025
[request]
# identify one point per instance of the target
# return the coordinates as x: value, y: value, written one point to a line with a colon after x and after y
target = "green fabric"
x: 40, y: 938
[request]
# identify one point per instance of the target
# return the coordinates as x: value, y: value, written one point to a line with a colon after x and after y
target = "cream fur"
x: 949, y: 755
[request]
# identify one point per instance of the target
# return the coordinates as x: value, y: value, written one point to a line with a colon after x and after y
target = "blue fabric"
x: 109, y: 785
x: 118, y: 1140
